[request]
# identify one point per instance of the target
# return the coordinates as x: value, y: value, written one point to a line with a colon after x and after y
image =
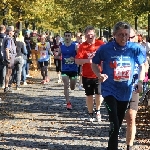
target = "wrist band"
x: 141, y: 81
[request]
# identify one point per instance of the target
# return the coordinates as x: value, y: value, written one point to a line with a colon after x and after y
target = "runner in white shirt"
x: 43, y: 49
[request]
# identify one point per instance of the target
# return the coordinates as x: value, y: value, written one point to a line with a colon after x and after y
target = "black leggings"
x: 116, y: 111
x: 44, y: 69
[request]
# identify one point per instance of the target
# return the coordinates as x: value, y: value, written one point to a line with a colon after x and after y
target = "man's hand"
x: 139, y: 87
x: 89, y: 60
x: 102, y: 77
x: 72, y: 58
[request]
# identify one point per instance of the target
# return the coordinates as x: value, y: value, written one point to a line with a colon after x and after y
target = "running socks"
x: 129, y: 147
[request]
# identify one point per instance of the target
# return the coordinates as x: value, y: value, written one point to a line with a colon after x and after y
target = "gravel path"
x: 35, y: 118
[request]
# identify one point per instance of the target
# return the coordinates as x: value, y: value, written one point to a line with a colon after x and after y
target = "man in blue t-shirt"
x: 119, y: 58
x: 69, y: 69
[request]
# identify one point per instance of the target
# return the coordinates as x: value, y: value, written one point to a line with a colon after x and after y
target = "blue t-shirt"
x: 119, y: 64
x: 67, y: 63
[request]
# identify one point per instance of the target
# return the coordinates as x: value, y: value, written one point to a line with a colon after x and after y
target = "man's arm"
x: 97, y: 59
x: 82, y: 61
x: 96, y: 70
x: 141, y: 74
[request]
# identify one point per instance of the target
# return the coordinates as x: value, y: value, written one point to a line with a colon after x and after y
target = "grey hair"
x: 121, y: 25
x: 89, y: 28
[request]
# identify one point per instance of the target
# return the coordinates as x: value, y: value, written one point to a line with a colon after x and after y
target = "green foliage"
x: 73, y: 14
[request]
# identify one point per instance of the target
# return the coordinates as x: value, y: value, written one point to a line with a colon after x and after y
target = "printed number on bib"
x: 68, y: 61
x: 122, y: 73
x: 43, y: 54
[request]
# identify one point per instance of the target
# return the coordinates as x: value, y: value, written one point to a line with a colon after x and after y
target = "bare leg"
x: 65, y: 80
x: 98, y: 101
x: 130, y: 119
x: 89, y: 103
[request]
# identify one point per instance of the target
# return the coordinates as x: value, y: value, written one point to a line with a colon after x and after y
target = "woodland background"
x: 60, y: 15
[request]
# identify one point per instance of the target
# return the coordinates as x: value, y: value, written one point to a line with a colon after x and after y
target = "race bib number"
x: 122, y: 73
x: 43, y: 54
x: 68, y: 61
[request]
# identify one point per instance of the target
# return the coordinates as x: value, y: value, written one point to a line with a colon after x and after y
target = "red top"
x: 86, y: 51
x: 55, y: 46
x: 55, y: 52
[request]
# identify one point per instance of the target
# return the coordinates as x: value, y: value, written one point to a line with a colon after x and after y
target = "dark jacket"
x: 21, y: 49
x: 2, y: 36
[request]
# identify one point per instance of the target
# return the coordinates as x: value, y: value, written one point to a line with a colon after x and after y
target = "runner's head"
x: 90, y: 34
x: 82, y: 38
x: 121, y: 32
x: 133, y: 36
x: 140, y: 38
x: 78, y: 36
x: 43, y: 37
x: 2, y: 28
x: 10, y: 31
x: 57, y: 38
x: 67, y: 36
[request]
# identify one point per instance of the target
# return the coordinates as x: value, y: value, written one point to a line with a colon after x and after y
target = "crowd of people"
x: 113, y: 71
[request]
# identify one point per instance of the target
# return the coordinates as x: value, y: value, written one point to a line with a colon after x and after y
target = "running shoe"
x: 90, y: 119
x: 69, y: 106
x: 81, y: 88
x: 98, y: 117
x: 28, y: 76
x: 17, y: 88
x: 7, y: 89
x: 24, y: 83
x: 59, y: 81
x: 47, y: 79
x: 43, y: 82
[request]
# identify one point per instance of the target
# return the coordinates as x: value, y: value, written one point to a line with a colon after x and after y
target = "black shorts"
x: 70, y: 74
x: 57, y: 63
x: 90, y: 85
x: 42, y: 64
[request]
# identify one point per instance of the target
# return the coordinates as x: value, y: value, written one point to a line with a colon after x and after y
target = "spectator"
x: 2, y: 67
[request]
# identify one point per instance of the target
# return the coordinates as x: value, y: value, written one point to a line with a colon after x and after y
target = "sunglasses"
x: 132, y: 37
x: 122, y: 35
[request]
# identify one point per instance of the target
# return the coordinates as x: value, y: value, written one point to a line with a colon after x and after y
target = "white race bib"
x: 43, y: 54
x: 122, y: 73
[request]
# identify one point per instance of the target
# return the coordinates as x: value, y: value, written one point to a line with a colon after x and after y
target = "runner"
x: 43, y: 49
x: 69, y: 68
x: 133, y: 105
x: 79, y: 40
x: 142, y: 42
x: 84, y: 57
x: 57, y: 58
x: 119, y: 58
